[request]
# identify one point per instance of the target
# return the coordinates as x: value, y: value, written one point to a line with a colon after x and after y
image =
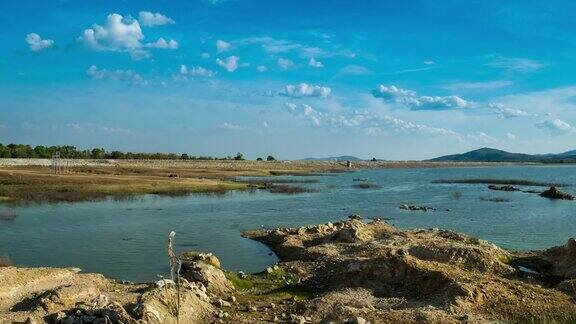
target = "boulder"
x: 554, y: 193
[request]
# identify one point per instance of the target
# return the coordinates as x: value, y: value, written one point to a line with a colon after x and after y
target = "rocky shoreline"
x: 343, y: 272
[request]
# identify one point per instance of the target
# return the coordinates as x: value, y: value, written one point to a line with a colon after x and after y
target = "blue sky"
x: 385, y: 79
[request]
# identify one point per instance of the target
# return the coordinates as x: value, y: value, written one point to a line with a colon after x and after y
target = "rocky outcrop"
x: 341, y: 272
x: 38, y: 295
x: 554, y: 193
x: 383, y: 275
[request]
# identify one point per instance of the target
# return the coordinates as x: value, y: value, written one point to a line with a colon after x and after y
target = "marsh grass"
x: 366, y: 185
x: 519, y: 182
x: 290, y: 190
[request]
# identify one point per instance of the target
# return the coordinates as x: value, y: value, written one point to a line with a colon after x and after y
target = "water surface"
x: 126, y: 239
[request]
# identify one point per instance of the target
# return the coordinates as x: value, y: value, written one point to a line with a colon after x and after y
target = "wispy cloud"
x: 483, y: 85
x: 514, y: 64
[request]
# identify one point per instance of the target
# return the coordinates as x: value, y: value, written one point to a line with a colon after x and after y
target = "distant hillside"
x: 335, y: 158
x: 493, y: 155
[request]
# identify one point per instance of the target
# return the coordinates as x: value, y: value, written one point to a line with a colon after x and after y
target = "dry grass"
x: 37, y: 184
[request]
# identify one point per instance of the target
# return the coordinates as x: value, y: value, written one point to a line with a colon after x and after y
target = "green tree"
x: 239, y: 156
x: 270, y: 158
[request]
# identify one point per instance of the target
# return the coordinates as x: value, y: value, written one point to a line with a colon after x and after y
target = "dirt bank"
x: 346, y: 272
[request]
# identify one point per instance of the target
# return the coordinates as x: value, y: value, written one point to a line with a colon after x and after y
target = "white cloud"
x: 315, y: 64
x: 230, y: 63
x: 306, y: 90
x: 557, y: 127
x: 365, y: 121
x: 205, y: 55
x: 151, y: 19
x: 121, y: 35
x: 222, y: 46
x: 230, y: 126
x: 262, y: 68
x: 117, y: 75
x: 510, y: 136
x: 414, y: 102
x: 37, y: 44
x: 512, y: 64
x: 429, y: 62
x: 195, y: 71
x: 162, y: 43
x: 506, y: 112
x: 285, y: 63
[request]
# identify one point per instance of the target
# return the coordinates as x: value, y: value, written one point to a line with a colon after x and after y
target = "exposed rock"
x: 416, y: 208
x: 554, y: 193
x: 377, y: 273
x: 503, y: 188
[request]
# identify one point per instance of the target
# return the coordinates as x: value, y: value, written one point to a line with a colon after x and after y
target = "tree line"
x: 71, y: 152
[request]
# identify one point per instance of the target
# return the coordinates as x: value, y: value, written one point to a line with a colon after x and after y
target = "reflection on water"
x: 126, y: 238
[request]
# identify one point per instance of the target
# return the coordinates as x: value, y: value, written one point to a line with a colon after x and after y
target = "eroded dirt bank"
x: 346, y: 272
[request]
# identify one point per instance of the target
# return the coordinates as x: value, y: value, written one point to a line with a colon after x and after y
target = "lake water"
x: 127, y: 239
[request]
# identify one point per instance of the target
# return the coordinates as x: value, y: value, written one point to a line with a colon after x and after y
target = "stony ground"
x: 346, y: 272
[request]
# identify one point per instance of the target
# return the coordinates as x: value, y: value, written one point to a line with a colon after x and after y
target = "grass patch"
x: 519, y: 182
x: 277, y: 284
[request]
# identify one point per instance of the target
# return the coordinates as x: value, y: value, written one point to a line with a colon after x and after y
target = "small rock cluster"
x: 417, y: 208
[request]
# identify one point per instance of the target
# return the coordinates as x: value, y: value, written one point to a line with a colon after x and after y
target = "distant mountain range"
x: 493, y: 155
x: 335, y: 158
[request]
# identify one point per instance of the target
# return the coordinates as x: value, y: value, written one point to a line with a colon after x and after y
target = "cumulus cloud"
x: 306, y: 90
x: 262, y: 68
x: 285, y: 63
x: 410, y: 99
x: 315, y: 64
x: 222, y: 46
x: 36, y: 43
x: 205, y: 55
x: 557, y: 127
x: 195, y: 71
x: 117, y: 75
x: 152, y: 19
x: 230, y: 63
x: 506, y: 112
x: 164, y: 44
x: 121, y: 34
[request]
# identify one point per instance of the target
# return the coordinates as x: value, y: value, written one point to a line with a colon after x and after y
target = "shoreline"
x: 30, y: 180
x: 336, y: 271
